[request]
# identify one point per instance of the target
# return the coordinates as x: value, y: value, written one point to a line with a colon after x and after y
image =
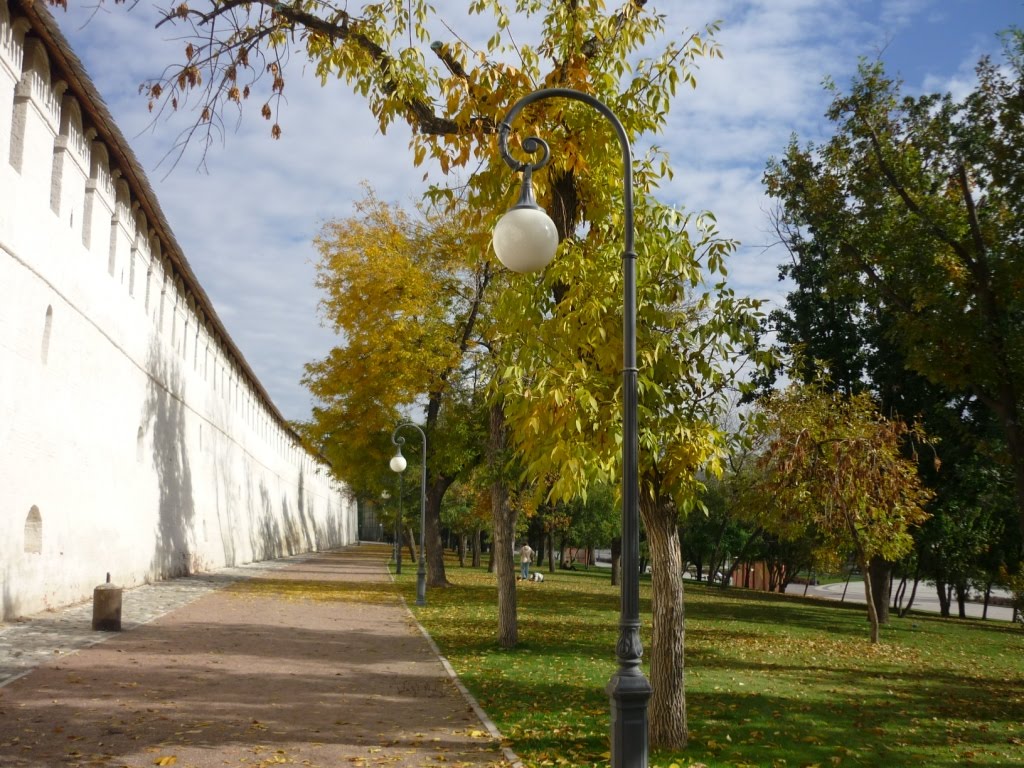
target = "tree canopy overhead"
x: 447, y: 76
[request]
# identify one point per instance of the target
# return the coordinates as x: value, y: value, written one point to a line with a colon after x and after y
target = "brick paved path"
x: 258, y: 674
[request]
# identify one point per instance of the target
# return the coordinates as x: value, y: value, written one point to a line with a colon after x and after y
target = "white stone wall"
x: 132, y: 439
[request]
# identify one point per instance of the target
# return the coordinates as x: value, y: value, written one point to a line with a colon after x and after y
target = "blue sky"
x: 247, y: 222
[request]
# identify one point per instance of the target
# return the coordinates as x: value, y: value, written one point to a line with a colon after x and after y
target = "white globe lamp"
x: 398, y: 462
x: 525, y: 238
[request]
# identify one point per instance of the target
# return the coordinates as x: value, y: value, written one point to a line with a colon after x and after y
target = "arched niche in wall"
x: 35, y: 77
x: 97, y: 184
x: 12, y: 49
x: 164, y: 281
x: 69, y: 149
x: 153, y: 271
x: 202, y: 342
x: 44, y: 352
x: 34, y: 532
x: 178, y: 319
x: 138, y: 260
x: 120, y: 218
x: 7, y: 41
x: 191, y: 330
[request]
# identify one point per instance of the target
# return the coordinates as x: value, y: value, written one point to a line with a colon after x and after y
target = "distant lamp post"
x: 525, y: 240
x: 399, y: 528
x: 398, y: 464
x: 385, y: 497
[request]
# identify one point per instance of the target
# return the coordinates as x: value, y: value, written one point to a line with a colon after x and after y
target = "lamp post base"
x: 629, y: 696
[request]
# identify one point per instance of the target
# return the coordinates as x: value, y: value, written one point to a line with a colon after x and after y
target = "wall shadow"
x: 164, y: 414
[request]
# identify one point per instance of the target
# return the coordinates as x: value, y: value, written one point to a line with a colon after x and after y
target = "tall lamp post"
x: 399, y: 528
x: 525, y: 240
x: 398, y: 464
x: 385, y: 497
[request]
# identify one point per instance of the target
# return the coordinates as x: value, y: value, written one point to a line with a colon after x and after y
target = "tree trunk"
x: 961, y: 600
x: 476, y: 548
x: 504, y: 518
x: 667, y: 711
x: 988, y: 596
x: 913, y: 593
x: 616, y: 559
x: 551, y: 552
x: 462, y: 550
x: 411, y: 543
x: 436, y: 576
x: 717, y: 559
x: 869, y: 597
x: 846, y: 586
x: 940, y: 587
x: 880, y: 574
x: 897, y: 597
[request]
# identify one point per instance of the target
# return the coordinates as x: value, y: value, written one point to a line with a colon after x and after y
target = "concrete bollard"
x: 106, y: 607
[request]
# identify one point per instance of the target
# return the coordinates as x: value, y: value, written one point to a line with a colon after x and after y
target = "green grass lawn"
x: 771, y: 680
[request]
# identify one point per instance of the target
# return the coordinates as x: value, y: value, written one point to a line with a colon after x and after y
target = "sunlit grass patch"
x: 322, y: 591
x: 772, y: 680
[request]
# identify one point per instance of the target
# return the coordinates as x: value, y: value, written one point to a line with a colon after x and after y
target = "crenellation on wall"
x: 98, y: 208
x: 141, y: 258
x: 123, y: 204
x: 10, y: 43
x: 34, y: 123
x: 36, y: 78
x: 154, y: 278
x: 122, y: 229
x: 67, y: 178
x: 100, y: 171
x: 71, y: 126
x: 171, y: 455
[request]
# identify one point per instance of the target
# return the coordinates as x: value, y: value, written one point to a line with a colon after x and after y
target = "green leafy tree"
x: 972, y: 532
x: 595, y: 520
x: 834, y: 464
x: 566, y: 384
x: 461, y: 515
x: 914, y: 206
x: 724, y: 533
x: 407, y: 299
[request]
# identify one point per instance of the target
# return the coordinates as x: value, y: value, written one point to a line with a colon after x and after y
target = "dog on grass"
x: 535, y: 576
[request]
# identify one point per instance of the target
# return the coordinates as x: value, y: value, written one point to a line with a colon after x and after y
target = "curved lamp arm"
x: 534, y: 144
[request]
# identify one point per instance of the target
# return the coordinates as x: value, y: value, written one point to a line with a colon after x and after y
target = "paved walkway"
x: 309, y: 661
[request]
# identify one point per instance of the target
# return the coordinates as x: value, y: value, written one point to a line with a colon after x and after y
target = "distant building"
x: 134, y: 437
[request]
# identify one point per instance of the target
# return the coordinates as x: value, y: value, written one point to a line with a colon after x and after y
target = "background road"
x: 925, y: 600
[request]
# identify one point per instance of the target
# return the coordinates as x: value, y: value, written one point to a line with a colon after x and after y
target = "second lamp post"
x: 398, y: 464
